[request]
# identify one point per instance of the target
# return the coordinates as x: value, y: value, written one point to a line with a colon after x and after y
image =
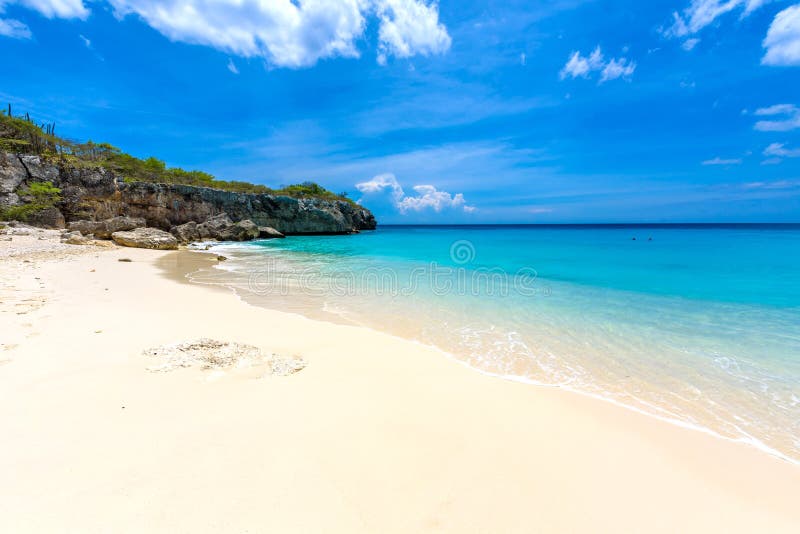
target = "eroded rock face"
x: 97, y: 195
x: 12, y: 176
x: 49, y: 218
x: 104, y: 229
x: 146, y: 238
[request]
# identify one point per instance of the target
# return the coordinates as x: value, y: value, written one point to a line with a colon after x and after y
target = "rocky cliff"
x: 97, y: 194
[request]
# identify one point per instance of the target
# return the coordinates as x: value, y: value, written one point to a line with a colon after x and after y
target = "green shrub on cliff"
x: 37, y: 197
x: 311, y: 189
x: 23, y: 136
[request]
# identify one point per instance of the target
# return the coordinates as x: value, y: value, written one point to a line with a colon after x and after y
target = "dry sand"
x: 376, y: 434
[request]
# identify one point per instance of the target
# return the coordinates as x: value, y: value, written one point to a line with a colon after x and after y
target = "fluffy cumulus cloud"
x: 781, y: 118
x: 64, y: 9
x: 701, y: 13
x: 580, y: 66
x: 408, y: 28
x: 287, y: 33
x: 783, y: 39
x: 426, y: 197
x: 295, y: 33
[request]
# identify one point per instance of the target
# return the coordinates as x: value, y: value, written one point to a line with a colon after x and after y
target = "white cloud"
x: 427, y: 197
x: 779, y: 150
x: 383, y: 182
x: 65, y: 9
x: 86, y: 41
x: 787, y: 118
x: 701, y: 13
x: 232, y: 66
x: 295, y: 33
x: 579, y: 66
x: 777, y: 184
x: 409, y: 28
x: 62, y: 9
x: 783, y: 39
x: 14, y: 29
x: 720, y: 161
x: 617, y: 68
x: 523, y: 59
x: 689, y: 44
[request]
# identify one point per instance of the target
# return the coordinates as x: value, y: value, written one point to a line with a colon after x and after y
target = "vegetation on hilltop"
x: 20, y: 134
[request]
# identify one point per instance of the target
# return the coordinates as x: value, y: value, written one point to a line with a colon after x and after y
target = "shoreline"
x: 377, y: 433
x: 184, y: 276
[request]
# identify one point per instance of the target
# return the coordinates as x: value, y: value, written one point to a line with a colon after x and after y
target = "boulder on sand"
x: 214, y: 226
x: 268, y: 232
x: 186, y: 233
x: 220, y: 227
x: 104, y: 229
x: 74, y: 238
x: 119, y: 224
x: 241, y: 231
x: 146, y: 238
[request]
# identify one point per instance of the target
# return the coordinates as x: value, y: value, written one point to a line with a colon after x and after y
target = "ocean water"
x: 695, y: 324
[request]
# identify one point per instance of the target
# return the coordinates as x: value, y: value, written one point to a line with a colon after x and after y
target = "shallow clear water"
x: 696, y: 324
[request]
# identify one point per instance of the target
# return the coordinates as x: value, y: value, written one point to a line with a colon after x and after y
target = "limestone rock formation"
x: 268, y: 232
x: 48, y: 218
x: 96, y: 194
x: 219, y: 227
x: 146, y: 238
x: 104, y: 229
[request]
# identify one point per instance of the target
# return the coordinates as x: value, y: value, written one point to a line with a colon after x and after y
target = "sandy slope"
x: 377, y: 434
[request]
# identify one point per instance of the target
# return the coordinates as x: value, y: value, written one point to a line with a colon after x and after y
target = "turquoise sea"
x: 695, y: 324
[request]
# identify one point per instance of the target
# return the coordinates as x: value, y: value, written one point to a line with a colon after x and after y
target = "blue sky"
x: 452, y: 112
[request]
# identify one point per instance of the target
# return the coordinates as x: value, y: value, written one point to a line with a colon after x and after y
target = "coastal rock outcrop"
x: 186, y: 233
x: 267, y: 232
x: 97, y: 194
x: 146, y: 238
x: 48, y: 218
x: 219, y: 227
x: 104, y: 229
x: 241, y: 231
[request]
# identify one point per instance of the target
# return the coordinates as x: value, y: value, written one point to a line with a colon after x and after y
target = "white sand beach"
x: 376, y: 434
